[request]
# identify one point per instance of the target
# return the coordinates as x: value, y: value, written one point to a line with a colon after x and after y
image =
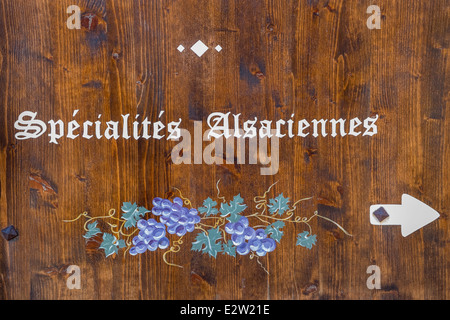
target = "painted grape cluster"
x: 247, y: 239
x: 230, y: 228
x: 152, y: 234
x: 178, y: 219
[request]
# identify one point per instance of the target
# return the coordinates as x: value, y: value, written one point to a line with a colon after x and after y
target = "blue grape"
x: 190, y: 227
x: 142, y: 224
x: 164, y: 220
x: 175, y: 216
x: 243, y: 249
x: 185, y: 210
x: 163, y: 243
x: 255, y: 244
x: 152, y: 245
x: 268, y: 244
x: 178, y: 200
x: 166, y: 204
x: 229, y: 228
x: 149, y: 230
x: 142, y: 235
x: 157, y: 202
x: 249, y: 233
x: 191, y: 219
x: 148, y: 239
x: 244, y: 221
x: 151, y: 222
x: 237, y: 239
x: 197, y: 219
x: 141, y: 247
x: 176, y: 207
x: 171, y: 223
x: 157, y: 211
x: 159, y: 233
x: 261, y: 234
x: 239, y: 228
x: 160, y: 226
x: 183, y: 221
x: 133, y: 251
x: 136, y: 240
x: 261, y: 252
x: 166, y: 212
x: 193, y: 212
x: 180, y: 230
x: 172, y: 229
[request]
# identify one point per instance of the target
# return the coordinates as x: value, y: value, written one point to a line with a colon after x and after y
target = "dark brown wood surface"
x: 314, y: 58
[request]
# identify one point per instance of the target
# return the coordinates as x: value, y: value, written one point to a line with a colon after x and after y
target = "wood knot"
x: 89, y: 21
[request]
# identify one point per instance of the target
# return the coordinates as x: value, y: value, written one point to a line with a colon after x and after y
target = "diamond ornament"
x: 199, y: 48
x: 381, y: 214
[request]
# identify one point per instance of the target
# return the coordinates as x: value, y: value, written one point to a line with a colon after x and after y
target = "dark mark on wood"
x: 95, y: 84
x: 311, y: 288
x: 89, y: 21
x: 38, y: 183
x: 56, y: 270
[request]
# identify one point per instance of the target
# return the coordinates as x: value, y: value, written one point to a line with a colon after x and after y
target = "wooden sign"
x: 224, y: 150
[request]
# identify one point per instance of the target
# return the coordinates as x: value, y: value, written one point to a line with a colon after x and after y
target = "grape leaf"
x: 232, y: 210
x: 305, y: 241
x: 279, y: 204
x: 274, y: 230
x: 207, y: 242
x: 229, y: 248
x: 111, y: 245
x: 132, y: 213
x: 92, y: 230
x: 209, y: 208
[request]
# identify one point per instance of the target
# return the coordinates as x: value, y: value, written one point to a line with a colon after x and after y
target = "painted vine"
x: 221, y: 226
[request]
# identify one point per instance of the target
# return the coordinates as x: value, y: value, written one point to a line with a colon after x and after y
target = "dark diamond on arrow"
x: 9, y: 233
x: 380, y: 214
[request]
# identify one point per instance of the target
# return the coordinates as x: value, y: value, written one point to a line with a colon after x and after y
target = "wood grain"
x: 314, y: 58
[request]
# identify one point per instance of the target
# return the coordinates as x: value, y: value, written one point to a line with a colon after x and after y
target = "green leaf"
x: 111, y: 245
x: 128, y: 207
x: 229, y: 248
x: 279, y: 204
x: 92, y: 230
x: 121, y: 244
x: 305, y: 241
x: 274, y: 230
x: 232, y: 210
x: 207, y: 242
x: 208, y: 208
x: 132, y: 213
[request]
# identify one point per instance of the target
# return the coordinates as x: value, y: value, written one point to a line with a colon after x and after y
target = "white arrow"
x: 411, y: 215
